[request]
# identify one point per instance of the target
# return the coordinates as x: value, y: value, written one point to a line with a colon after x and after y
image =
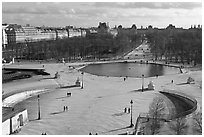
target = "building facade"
x: 4, y: 36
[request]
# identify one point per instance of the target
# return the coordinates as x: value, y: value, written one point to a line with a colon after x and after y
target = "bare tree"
x: 179, y: 125
x: 156, y: 113
x: 197, y: 122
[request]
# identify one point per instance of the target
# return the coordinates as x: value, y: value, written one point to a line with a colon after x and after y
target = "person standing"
x: 128, y: 110
x: 125, y: 110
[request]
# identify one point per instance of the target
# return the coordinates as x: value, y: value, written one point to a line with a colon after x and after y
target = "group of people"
x: 65, y: 108
x: 44, y: 133
x: 91, y: 133
x: 69, y: 94
x: 126, y: 110
x: 125, y: 78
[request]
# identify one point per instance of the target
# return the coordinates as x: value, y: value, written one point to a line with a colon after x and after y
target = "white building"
x: 74, y: 33
x: 4, y: 35
x: 113, y: 32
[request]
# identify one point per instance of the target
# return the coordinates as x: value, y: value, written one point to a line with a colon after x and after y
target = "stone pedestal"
x: 56, y: 75
x: 13, y: 60
x: 151, y: 86
x: 77, y: 83
x: 190, y: 80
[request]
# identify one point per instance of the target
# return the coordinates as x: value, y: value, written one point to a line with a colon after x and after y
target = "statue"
x: 190, y: 80
x: 151, y: 85
x: 78, y: 83
x: 56, y: 75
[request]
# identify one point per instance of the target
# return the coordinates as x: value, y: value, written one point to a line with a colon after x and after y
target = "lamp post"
x: 38, y: 107
x: 82, y: 85
x: 131, y: 124
x: 142, y: 82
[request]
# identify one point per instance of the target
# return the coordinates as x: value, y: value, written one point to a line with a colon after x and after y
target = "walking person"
x: 64, y: 108
x: 125, y: 110
x: 128, y: 110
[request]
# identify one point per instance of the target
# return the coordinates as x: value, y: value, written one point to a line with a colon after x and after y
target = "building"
x: 20, y: 34
x: 113, y: 32
x: 30, y: 33
x: 10, y: 32
x: 46, y: 33
x: 127, y: 31
x: 13, y: 33
x: 14, y: 120
x: 74, y: 32
x: 4, y: 35
x: 83, y: 33
x: 61, y: 33
x: 103, y: 28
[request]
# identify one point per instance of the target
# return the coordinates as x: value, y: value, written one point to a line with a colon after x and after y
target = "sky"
x: 89, y: 14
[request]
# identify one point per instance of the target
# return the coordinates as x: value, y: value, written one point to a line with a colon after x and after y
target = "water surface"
x: 129, y: 69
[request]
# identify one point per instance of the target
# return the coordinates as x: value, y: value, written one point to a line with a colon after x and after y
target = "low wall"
x: 16, y: 98
x: 187, y: 104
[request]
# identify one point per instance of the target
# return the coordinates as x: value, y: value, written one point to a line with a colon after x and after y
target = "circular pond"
x: 129, y: 69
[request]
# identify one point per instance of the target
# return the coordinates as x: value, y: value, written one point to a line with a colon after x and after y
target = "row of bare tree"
x: 178, y: 126
x: 90, y: 47
x: 179, y: 46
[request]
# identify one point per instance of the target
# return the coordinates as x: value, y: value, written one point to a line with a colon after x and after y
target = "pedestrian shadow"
x: 59, y: 112
x: 140, y: 90
x: 119, y: 114
x: 63, y: 97
x: 50, y: 78
x: 115, y: 130
x: 33, y: 120
x: 184, y: 83
x: 123, y: 134
x: 71, y: 86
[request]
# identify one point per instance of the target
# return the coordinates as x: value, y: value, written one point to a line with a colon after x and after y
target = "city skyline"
x: 89, y: 14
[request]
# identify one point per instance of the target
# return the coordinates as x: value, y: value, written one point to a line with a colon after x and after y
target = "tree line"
x: 170, y: 45
x: 178, y: 46
x: 93, y: 46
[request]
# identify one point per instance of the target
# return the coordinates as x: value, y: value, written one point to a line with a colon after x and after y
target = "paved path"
x: 92, y: 108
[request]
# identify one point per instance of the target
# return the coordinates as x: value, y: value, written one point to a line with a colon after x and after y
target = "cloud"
x: 151, y: 5
x: 23, y: 10
x: 69, y: 9
x: 34, y: 8
x: 89, y: 13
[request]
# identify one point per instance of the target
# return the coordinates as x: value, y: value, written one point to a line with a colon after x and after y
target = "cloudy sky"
x: 89, y: 14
